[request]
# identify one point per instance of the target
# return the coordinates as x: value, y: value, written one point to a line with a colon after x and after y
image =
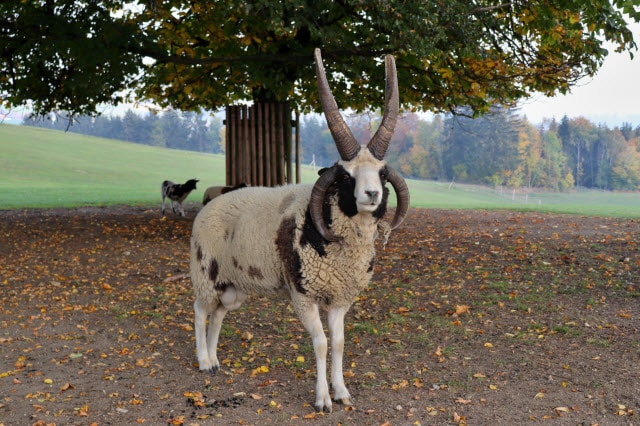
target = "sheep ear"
x: 346, y: 143
x: 380, y: 141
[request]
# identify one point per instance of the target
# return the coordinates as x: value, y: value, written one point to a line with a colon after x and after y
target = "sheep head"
x: 364, y: 165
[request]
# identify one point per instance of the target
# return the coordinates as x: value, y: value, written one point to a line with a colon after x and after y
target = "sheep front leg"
x: 310, y: 318
x: 335, y: 319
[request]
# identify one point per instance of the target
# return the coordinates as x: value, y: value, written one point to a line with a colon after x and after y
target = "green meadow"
x: 42, y: 168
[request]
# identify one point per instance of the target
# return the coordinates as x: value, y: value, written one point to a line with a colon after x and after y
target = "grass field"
x: 44, y: 168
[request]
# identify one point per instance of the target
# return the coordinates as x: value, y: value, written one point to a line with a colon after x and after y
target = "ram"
x: 314, y: 243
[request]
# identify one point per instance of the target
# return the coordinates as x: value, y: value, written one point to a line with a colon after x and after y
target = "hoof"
x: 323, y: 409
x: 211, y: 370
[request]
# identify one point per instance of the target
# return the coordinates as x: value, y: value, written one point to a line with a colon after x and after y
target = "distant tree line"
x: 499, y: 148
x: 171, y: 129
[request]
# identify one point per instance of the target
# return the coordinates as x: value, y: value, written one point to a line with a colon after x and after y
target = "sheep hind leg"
x: 335, y: 319
x: 229, y: 300
x: 207, y: 337
x: 310, y: 318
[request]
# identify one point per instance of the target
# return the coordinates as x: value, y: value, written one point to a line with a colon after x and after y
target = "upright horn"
x: 380, y: 141
x: 346, y: 143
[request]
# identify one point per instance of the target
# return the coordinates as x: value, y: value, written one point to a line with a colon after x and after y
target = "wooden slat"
x: 245, y: 175
x: 261, y: 158
x: 297, y: 125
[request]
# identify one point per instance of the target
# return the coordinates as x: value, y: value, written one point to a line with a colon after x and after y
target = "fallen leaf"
x: 66, y: 386
x: 462, y: 309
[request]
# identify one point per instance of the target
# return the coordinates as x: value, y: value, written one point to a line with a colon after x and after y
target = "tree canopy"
x: 459, y: 55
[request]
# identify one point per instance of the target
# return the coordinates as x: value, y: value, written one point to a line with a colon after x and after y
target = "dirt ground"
x: 472, y: 318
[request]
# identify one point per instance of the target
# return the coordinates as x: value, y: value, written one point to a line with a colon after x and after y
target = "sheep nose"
x: 373, y: 195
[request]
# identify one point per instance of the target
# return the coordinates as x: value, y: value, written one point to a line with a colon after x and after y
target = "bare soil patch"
x: 473, y: 318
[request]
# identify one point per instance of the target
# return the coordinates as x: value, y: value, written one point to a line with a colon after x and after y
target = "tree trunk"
x: 259, y: 144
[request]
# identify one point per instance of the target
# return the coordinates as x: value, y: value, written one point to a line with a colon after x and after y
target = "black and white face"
x: 368, y: 187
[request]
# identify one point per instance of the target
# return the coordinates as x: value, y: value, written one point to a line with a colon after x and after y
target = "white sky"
x: 612, y: 96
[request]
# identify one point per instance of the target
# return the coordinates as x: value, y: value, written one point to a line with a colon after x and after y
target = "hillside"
x: 48, y: 168
x: 42, y: 168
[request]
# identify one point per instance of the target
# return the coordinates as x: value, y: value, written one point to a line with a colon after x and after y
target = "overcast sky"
x: 612, y: 96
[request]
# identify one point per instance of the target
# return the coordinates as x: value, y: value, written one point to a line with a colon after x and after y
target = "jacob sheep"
x: 216, y: 191
x: 313, y: 242
x: 177, y: 192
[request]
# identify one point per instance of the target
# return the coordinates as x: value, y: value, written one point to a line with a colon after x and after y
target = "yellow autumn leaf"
x: 82, y: 411
x: 260, y: 370
x: 9, y: 373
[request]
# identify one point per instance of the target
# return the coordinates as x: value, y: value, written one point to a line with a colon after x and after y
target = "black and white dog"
x: 177, y: 192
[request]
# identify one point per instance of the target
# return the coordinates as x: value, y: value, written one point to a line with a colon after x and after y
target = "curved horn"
x: 346, y: 143
x: 316, y: 203
x: 380, y: 141
x: 402, y: 195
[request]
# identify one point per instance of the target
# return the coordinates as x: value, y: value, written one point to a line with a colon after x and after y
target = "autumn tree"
x: 493, y: 155
x: 69, y: 55
x: 457, y: 56
x: 553, y: 169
